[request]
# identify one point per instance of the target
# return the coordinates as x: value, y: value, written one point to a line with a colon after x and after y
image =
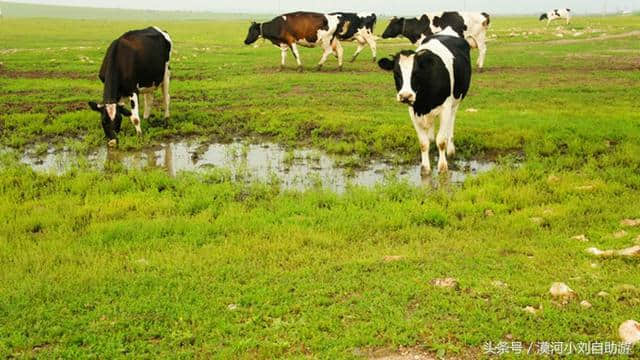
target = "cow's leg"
x: 451, y: 148
x: 296, y: 54
x: 328, y: 49
x: 442, y: 140
x: 284, y: 48
x: 482, y: 49
x: 337, y: 47
x: 361, y: 44
x: 148, y: 103
x: 135, y: 114
x: 166, y: 97
x: 424, y: 129
x: 372, y: 44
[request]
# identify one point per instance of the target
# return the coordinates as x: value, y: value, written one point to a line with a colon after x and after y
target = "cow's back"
x: 302, y: 25
x: 460, y: 50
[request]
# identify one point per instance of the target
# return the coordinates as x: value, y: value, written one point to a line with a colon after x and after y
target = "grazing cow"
x: 433, y: 80
x: 358, y: 27
x: 557, y: 14
x: 471, y: 26
x: 137, y: 62
x: 306, y: 29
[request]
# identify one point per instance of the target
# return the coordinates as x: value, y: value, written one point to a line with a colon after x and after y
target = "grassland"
x: 128, y: 263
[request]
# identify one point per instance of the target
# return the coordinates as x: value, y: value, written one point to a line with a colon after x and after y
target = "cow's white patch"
x: 365, y: 14
x: 449, y: 31
x: 135, y: 115
x: 438, y: 48
x: 406, y: 93
x: 111, y: 111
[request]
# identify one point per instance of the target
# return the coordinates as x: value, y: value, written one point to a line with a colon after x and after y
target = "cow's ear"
x: 95, y: 107
x: 124, y: 111
x: 386, y: 64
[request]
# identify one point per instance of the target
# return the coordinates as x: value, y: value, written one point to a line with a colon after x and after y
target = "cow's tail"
x: 487, y: 20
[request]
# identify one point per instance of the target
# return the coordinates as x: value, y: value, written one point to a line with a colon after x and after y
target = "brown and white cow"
x: 137, y: 62
x: 306, y: 29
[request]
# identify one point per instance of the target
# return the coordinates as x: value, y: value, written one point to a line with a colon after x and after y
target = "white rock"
x: 585, y: 304
x: 232, y: 307
x: 603, y: 294
x: 630, y: 332
x: 630, y: 222
x: 532, y: 310
x: 559, y: 289
x: 582, y: 238
x: 632, y: 251
x: 472, y: 110
x: 445, y: 283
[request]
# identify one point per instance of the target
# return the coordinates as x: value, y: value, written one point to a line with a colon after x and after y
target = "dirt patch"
x: 41, y: 74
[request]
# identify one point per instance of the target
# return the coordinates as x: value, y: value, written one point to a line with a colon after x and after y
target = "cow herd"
x: 432, y: 79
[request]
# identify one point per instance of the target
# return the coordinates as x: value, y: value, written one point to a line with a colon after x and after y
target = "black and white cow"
x: 300, y: 28
x: 557, y: 14
x: 358, y: 27
x: 433, y: 80
x: 469, y: 25
x: 137, y: 62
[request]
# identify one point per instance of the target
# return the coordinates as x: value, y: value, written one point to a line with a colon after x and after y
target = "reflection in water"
x: 294, y: 169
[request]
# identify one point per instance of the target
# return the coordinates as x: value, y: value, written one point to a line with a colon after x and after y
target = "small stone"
x: 553, y: 179
x: 630, y: 332
x: 603, y: 294
x: 630, y: 222
x: 232, y: 307
x: 561, y: 290
x: 628, y: 252
x: 620, y: 234
x: 585, y: 188
x: 585, y: 304
x: 532, y: 310
x: 392, y: 258
x: 595, y: 266
x: 537, y: 220
x: 445, y: 283
x: 498, y: 283
x: 582, y: 238
x: 472, y: 110
x: 488, y: 213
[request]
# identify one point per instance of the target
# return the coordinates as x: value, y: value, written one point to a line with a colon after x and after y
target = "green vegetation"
x: 127, y: 263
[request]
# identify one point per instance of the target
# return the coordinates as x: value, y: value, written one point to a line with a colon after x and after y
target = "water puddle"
x: 298, y: 169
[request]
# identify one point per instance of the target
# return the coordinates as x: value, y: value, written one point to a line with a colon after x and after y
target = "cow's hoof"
x: 113, y: 143
x: 481, y: 70
x: 353, y: 60
x: 443, y: 167
x: 319, y: 68
x: 451, y: 149
x: 300, y: 69
x: 425, y: 171
x: 165, y: 123
x: 340, y: 68
x: 375, y: 59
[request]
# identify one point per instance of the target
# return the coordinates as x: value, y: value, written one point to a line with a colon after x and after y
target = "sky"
x: 381, y: 7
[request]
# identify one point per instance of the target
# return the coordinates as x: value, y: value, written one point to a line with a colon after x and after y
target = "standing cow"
x: 471, y: 26
x: 137, y: 62
x: 433, y: 80
x: 300, y: 28
x: 358, y: 27
x: 556, y: 14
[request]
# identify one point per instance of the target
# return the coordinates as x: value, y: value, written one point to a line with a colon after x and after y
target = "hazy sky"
x: 383, y: 7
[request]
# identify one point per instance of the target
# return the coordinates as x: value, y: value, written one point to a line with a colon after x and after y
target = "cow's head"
x: 254, y: 33
x: 394, y: 29
x: 111, y: 118
x: 403, y: 66
x: 544, y: 17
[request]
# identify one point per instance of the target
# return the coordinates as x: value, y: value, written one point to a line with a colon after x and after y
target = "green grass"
x: 138, y: 264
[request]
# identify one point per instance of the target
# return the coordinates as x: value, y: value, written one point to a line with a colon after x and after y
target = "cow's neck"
x: 416, y: 29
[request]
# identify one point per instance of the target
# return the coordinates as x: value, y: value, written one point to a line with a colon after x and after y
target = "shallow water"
x: 294, y: 169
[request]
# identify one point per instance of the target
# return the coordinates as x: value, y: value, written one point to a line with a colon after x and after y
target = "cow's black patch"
x: 453, y: 20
